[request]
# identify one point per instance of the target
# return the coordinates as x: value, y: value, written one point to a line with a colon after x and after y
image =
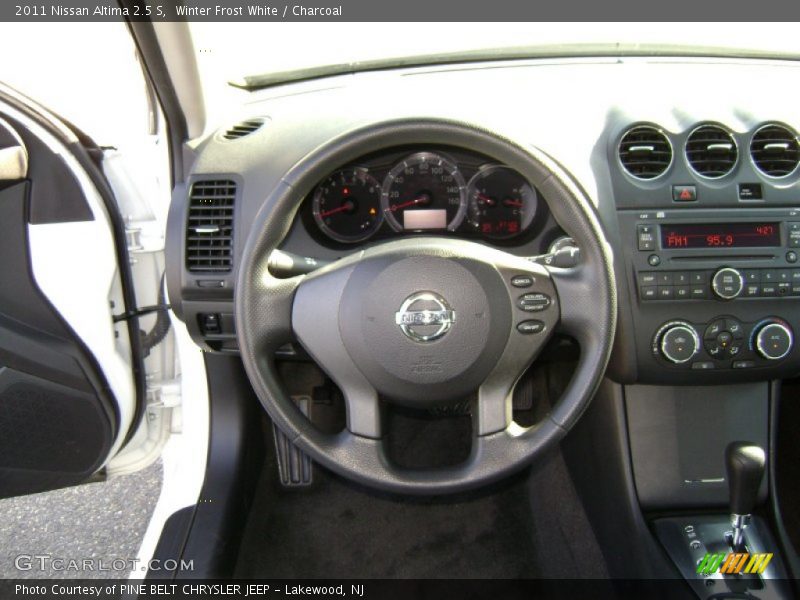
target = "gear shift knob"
x: 745, y: 465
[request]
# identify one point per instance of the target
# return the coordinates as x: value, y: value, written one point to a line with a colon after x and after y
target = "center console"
x: 713, y: 290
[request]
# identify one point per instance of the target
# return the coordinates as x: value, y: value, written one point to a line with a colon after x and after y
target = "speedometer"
x: 424, y: 192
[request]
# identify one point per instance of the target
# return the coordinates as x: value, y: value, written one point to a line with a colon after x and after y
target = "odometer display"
x: 721, y: 235
x: 424, y: 182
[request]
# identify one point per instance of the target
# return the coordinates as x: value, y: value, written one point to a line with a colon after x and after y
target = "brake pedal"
x: 294, y: 466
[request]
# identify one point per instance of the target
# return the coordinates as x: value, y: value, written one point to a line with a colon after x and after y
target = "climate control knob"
x: 727, y: 283
x: 678, y: 342
x: 774, y: 340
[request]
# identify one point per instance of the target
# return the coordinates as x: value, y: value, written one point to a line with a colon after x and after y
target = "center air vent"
x: 775, y: 150
x: 711, y: 151
x: 209, y: 231
x: 645, y: 152
x: 242, y: 129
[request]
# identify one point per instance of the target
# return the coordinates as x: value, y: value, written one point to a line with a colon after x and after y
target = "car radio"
x: 716, y: 254
x: 713, y: 290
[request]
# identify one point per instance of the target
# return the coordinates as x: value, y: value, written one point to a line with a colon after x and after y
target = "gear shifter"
x: 744, y: 463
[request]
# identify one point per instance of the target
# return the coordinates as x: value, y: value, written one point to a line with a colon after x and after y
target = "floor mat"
x: 530, y: 526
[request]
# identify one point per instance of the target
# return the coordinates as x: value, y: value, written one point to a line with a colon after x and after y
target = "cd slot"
x: 727, y: 258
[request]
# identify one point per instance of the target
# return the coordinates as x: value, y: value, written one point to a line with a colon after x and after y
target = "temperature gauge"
x: 502, y: 204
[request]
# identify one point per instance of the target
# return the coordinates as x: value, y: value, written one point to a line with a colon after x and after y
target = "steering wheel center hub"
x: 424, y: 324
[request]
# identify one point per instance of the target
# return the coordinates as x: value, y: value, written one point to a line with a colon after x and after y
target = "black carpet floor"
x: 530, y: 526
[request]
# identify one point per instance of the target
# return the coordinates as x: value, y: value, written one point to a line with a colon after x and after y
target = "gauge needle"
x: 346, y: 206
x: 420, y: 200
x: 487, y: 200
x: 512, y: 202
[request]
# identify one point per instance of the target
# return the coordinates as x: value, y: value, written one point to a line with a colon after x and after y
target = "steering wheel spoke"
x: 315, y: 319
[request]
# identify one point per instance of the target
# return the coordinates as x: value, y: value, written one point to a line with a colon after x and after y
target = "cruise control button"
x: 533, y: 302
x: 522, y: 281
x: 530, y: 326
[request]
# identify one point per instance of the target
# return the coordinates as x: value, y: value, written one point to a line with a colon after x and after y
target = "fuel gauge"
x: 502, y: 204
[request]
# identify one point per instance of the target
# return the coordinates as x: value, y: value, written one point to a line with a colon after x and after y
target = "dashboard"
x: 433, y: 190
x: 698, y: 192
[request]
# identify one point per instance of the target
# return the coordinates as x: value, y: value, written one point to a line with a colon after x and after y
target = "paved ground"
x: 97, y: 521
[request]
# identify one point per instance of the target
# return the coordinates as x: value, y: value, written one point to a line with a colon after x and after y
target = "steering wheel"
x: 426, y: 321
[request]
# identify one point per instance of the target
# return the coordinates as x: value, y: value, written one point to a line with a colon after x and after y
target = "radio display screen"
x: 721, y: 235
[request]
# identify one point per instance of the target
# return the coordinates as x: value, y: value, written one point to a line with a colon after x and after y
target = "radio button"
x: 665, y: 292
x: 646, y: 238
x: 664, y: 278
x: 751, y: 275
x: 696, y: 277
x: 769, y: 275
x: 795, y: 289
x: 649, y: 292
x: 727, y: 283
x: 680, y: 278
x: 682, y: 292
x: 753, y: 290
x: 647, y: 278
x: 699, y: 292
x: 769, y: 290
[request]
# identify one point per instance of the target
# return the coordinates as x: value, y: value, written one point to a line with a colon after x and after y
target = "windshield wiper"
x: 618, y: 50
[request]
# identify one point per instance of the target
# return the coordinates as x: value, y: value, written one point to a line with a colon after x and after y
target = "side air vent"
x: 775, y: 150
x: 209, y: 231
x: 645, y: 152
x: 711, y: 151
x: 242, y: 129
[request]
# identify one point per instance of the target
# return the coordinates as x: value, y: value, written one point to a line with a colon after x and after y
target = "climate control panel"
x: 723, y: 343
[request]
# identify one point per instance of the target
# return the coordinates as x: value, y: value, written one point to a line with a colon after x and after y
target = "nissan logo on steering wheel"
x: 425, y: 317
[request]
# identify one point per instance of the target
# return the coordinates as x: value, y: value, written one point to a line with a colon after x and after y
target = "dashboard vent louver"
x: 645, y: 152
x: 209, y: 231
x: 775, y: 150
x: 242, y: 129
x: 711, y: 151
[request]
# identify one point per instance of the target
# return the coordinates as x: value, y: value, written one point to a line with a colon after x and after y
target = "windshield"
x: 245, y: 52
x: 232, y: 52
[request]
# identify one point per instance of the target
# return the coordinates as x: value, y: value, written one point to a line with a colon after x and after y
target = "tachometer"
x: 502, y: 203
x: 424, y: 192
x: 347, y: 205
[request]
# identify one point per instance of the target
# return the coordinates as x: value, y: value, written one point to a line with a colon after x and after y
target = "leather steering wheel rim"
x: 264, y: 308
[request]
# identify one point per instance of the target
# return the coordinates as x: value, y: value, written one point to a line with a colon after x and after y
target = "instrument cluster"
x: 428, y: 190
